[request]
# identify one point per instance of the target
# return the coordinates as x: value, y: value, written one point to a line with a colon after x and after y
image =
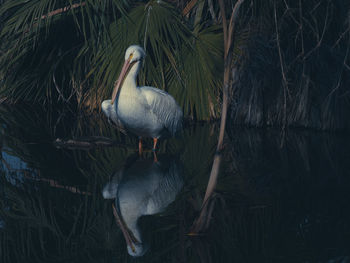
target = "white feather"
x: 164, y: 107
x: 145, y: 111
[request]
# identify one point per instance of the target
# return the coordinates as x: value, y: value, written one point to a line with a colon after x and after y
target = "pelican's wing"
x: 111, y: 113
x: 169, y: 185
x: 164, y: 107
x: 110, y: 190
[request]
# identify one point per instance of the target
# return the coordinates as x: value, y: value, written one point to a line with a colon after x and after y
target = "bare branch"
x: 88, y: 143
x: 285, y: 83
x: 55, y: 12
x: 229, y: 75
x: 232, y: 24
x: 341, y: 37
x: 224, y: 21
x: 62, y: 10
x: 189, y: 7
x: 57, y: 88
x: 347, y: 66
x: 212, y: 11
x: 322, y: 35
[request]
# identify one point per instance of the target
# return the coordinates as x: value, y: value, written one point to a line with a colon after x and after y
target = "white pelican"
x: 144, y: 188
x: 144, y: 111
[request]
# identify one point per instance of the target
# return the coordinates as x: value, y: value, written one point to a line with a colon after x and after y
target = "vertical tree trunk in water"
x: 202, y: 222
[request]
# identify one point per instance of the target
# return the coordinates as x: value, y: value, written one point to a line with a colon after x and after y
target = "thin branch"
x: 301, y: 27
x: 58, y: 89
x: 53, y: 183
x: 285, y: 83
x: 341, y: 37
x: 55, y: 12
x: 212, y: 11
x: 224, y: 21
x: 62, y: 10
x: 189, y: 7
x: 88, y: 143
x: 347, y: 66
x: 322, y: 35
x: 291, y: 14
x: 231, y: 26
x: 341, y: 72
x: 229, y: 75
x: 72, y: 189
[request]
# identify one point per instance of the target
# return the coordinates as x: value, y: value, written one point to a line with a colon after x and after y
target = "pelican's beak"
x: 121, y: 78
x: 129, y: 237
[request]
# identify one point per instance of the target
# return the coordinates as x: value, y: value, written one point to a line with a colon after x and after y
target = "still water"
x: 280, y: 197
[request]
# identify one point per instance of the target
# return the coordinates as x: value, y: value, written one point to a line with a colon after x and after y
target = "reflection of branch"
x: 72, y: 189
x: 203, y: 250
x: 4, y: 162
x: 53, y: 183
x: 203, y: 220
x: 347, y: 66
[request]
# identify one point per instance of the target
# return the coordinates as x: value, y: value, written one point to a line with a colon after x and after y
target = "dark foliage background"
x: 291, y: 56
x: 294, y: 69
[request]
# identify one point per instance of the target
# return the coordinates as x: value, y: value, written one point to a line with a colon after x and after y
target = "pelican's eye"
x: 131, y: 55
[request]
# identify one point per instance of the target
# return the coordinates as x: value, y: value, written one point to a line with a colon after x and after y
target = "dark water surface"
x: 280, y: 197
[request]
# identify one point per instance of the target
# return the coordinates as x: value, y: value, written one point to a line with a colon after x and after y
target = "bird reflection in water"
x: 143, y: 187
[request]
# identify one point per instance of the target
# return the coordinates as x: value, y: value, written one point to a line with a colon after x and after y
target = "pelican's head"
x: 134, y: 244
x: 137, y: 250
x: 133, y: 54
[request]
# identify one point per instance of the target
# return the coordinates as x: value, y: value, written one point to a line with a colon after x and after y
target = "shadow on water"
x: 278, y: 198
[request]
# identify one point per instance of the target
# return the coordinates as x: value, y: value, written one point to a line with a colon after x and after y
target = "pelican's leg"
x: 155, y: 140
x: 155, y: 159
x: 140, y: 146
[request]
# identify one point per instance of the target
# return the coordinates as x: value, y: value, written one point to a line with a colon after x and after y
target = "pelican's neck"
x: 131, y: 222
x: 130, y: 79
